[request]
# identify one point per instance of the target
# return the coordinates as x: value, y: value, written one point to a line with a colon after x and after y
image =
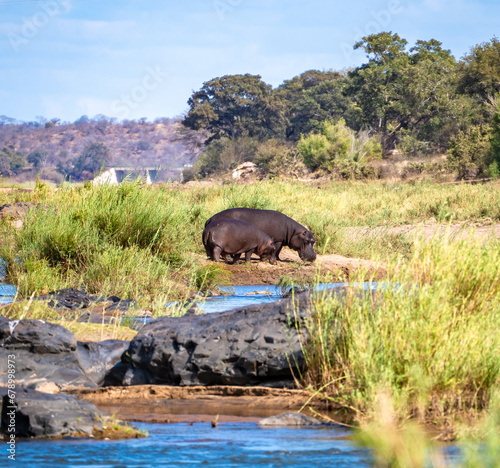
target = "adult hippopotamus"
x: 234, y: 237
x: 283, y: 230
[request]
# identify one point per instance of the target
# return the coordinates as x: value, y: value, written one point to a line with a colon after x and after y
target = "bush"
x: 225, y: 154
x: 410, y: 145
x: 277, y: 157
x: 335, y: 143
x: 469, y: 151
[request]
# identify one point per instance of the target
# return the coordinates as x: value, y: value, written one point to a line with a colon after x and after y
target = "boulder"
x: 255, y: 345
x: 46, y: 353
x: 289, y: 419
x: 73, y: 299
x: 245, y: 170
x: 42, y: 415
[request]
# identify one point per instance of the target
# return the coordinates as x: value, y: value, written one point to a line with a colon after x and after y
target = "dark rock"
x: 41, y: 337
x: 48, y: 353
x: 97, y: 359
x: 67, y: 299
x: 43, y: 415
x: 4, y: 327
x: 122, y: 305
x: 289, y: 419
x: 255, y: 345
x: 87, y: 316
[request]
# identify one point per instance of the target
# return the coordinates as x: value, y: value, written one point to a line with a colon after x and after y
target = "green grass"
x: 431, y: 342
x: 142, y: 242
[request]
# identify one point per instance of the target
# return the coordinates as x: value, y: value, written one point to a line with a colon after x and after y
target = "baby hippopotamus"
x: 234, y: 237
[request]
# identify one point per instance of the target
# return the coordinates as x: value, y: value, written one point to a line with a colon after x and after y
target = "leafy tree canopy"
x: 313, y: 97
x: 235, y: 105
x: 399, y: 90
x: 92, y: 158
x: 480, y: 70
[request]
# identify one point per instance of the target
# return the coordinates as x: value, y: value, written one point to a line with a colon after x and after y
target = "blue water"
x: 242, y: 296
x: 181, y: 444
x: 7, y: 291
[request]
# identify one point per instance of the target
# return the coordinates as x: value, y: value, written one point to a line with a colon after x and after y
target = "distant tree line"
x: 417, y: 100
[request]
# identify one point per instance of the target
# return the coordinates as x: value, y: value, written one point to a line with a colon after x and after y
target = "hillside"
x: 131, y: 144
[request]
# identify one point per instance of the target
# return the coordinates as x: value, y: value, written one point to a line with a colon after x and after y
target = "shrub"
x: 337, y: 142
x: 469, y: 152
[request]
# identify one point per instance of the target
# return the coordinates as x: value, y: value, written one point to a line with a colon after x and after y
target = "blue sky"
x: 143, y: 58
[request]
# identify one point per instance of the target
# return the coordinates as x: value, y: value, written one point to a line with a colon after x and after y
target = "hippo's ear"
x: 307, y: 236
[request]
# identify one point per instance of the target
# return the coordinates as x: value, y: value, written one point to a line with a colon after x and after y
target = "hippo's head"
x: 303, y: 242
x: 268, y: 251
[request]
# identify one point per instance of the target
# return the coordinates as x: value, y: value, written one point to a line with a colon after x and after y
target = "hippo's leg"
x: 236, y: 259
x: 209, y: 253
x: 248, y: 255
x: 279, y: 246
x: 216, y: 253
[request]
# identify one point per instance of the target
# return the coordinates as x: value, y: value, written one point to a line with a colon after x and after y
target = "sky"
x: 130, y: 59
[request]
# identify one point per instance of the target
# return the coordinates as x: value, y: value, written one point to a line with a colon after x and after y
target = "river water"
x: 181, y: 444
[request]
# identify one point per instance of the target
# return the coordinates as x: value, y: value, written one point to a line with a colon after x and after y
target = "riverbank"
x: 166, y: 404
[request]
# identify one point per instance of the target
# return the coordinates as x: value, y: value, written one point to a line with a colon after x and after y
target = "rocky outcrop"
x: 36, y: 414
x: 255, y: 345
x: 47, y: 353
x: 73, y: 299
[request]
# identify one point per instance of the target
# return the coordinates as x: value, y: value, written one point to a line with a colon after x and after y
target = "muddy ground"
x: 166, y: 404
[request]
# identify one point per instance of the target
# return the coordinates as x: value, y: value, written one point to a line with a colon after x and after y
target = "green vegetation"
x: 11, y: 161
x: 418, y: 100
x: 423, y: 350
x: 144, y: 242
x: 338, y: 147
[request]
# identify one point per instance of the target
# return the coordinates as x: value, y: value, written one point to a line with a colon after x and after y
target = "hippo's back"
x: 273, y: 223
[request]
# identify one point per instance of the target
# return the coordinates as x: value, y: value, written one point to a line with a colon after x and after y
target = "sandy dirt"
x: 164, y: 403
x: 332, y: 268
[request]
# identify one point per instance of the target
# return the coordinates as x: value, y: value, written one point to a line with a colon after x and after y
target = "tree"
x: 403, y: 92
x: 495, y: 140
x: 38, y: 159
x: 313, y: 97
x: 378, y: 84
x: 480, y: 70
x: 92, y: 158
x: 234, y: 106
x: 469, y: 151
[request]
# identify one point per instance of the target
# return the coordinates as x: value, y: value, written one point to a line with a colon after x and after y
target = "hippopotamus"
x: 283, y: 230
x: 234, y: 237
